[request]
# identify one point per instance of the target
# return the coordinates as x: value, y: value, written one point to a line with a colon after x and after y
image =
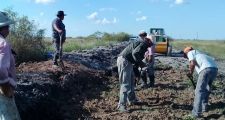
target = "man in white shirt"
x: 207, y: 71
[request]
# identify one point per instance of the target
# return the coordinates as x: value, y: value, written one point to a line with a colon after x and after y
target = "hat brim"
x: 61, y: 15
x: 7, y: 23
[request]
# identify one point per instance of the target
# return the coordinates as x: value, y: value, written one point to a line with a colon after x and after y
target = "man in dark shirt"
x: 59, y: 33
x: 142, y: 35
x: 132, y: 54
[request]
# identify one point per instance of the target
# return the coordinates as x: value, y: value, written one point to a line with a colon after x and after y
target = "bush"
x: 122, y: 36
x: 26, y: 39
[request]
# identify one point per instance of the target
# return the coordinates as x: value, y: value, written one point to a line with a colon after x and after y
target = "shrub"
x: 116, y: 37
x: 122, y: 36
x: 26, y: 39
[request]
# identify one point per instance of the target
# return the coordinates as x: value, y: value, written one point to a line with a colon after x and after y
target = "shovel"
x: 192, y: 81
x: 61, y: 64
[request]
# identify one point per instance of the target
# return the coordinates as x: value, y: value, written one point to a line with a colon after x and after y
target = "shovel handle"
x: 192, y: 81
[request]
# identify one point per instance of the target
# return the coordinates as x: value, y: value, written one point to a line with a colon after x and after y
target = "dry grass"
x: 212, y: 47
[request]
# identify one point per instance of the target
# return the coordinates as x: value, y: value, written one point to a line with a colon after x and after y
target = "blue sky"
x: 187, y: 19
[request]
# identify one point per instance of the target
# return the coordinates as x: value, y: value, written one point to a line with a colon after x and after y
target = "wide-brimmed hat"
x: 5, y: 20
x: 61, y: 13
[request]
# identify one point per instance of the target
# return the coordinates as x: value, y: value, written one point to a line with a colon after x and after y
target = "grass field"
x: 212, y: 47
x: 80, y: 44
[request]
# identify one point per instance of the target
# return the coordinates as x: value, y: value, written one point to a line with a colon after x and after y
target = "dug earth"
x: 88, y: 89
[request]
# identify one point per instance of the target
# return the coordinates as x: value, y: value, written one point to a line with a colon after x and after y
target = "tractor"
x: 161, y: 41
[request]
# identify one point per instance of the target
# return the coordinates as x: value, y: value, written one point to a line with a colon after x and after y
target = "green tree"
x: 26, y: 39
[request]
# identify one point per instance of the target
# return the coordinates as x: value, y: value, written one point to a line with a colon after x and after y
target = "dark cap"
x: 61, y: 13
x: 142, y: 33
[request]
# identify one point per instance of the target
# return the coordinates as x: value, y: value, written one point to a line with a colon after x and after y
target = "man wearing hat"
x: 58, y: 33
x: 147, y: 72
x: 207, y: 71
x: 142, y: 35
x: 8, y: 109
x: 132, y: 54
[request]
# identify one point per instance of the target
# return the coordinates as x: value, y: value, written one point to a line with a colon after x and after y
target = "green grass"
x: 212, y: 47
x: 79, y: 44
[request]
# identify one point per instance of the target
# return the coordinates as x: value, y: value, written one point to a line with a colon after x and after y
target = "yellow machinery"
x: 161, y: 41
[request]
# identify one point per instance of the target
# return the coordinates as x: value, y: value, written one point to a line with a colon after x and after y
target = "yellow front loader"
x: 161, y: 41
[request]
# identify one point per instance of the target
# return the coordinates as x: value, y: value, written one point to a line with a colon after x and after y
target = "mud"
x: 88, y: 89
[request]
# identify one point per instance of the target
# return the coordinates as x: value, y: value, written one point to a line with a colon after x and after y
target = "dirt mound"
x: 44, y: 93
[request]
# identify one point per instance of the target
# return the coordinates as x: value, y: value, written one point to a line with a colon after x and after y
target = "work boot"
x: 143, y: 79
x: 152, y: 81
x: 135, y: 102
x: 122, y: 109
x: 205, y: 108
x: 55, y: 64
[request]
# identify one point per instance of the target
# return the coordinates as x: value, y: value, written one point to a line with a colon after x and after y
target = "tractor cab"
x: 161, y: 41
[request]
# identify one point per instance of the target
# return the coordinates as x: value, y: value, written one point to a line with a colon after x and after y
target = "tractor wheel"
x: 169, y: 51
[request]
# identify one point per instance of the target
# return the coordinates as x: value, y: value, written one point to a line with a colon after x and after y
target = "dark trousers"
x: 58, y: 52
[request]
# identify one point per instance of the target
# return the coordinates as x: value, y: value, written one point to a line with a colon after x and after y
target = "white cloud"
x: 178, y: 2
x: 105, y: 21
x: 171, y: 2
x: 142, y: 18
x: 44, y: 1
x: 93, y: 16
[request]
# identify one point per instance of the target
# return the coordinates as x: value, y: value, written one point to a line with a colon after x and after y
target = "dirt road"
x: 86, y: 91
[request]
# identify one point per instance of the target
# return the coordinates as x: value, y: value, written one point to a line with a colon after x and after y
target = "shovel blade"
x: 61, y: 65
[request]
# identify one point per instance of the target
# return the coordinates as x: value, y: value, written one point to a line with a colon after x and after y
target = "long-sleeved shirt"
x: 134, y: 52
x: 7, y: 63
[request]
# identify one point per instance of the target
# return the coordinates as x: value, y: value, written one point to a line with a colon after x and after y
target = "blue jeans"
x: 126, y: 79
x: 202, y: 90
x: 149, y: 71
x: 8, y: 109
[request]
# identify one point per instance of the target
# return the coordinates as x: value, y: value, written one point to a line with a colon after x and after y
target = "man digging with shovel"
x: 132, y: 54
x: 59, y: 37
x: 207, y: 71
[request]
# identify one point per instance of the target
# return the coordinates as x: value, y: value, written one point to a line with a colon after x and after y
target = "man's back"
x: 203, y: 61
x: 134, y: 52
